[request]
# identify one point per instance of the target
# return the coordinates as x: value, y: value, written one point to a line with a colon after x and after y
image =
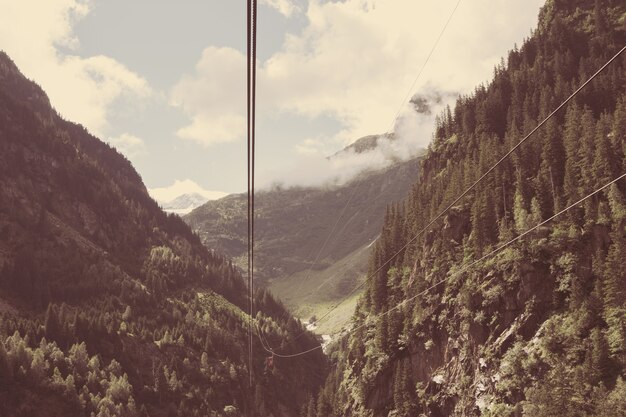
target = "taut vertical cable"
x: 251, y: 98
x: 252, y: 159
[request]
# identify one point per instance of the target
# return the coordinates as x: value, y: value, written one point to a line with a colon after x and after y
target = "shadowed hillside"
x: 109, y: 306
x: 307, y: 237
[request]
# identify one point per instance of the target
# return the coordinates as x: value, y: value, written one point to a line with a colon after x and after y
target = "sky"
x: 164, y: 81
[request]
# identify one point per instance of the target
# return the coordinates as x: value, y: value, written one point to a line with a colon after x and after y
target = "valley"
x: 312, y: 244
x: 482, y: 276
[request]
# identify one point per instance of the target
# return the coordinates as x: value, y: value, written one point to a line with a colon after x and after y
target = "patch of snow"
x: 184, y: 203
x: 180, y: 211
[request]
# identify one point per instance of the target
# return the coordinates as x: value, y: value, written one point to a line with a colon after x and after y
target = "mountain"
x: 184, y: 203
x: 365, y: 144
x: 311, y: 243
x: 537, y: 328
x: 108, y: 305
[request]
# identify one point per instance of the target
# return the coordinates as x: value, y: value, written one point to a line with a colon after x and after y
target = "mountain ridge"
x: 184, y: 203
x: 301, y: 232
x: 108, y: 305
x: 537, y: 330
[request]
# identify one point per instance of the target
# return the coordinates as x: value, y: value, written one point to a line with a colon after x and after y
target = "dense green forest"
x: 110, y: 307
x: 540, y: 328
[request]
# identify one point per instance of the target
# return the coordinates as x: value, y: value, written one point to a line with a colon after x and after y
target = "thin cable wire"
x: 249, y: 17
x: 269, y: 349
x: 466, y: 267
x: 482, y: 177
x: 251, y: 98
x: 252, y: 169
x: 497, y: 249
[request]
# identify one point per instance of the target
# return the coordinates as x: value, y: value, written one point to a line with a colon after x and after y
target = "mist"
x: 411, y: 134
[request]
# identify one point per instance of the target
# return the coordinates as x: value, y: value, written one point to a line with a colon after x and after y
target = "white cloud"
x: 214, y: 97
x: 128, y: 144
x: 180, y: 187
x: 311, y: 147
x: 32, y: 33
x: 284, y: 7
x: 354, y: 61
x: 209, y: 129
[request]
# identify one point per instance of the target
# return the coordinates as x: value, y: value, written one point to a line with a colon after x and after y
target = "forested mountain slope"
x: 307, y: 237
x: 110, y: 307
x: 540, y: 328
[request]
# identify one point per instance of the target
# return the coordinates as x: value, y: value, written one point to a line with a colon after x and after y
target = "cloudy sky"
x: 164, y: 80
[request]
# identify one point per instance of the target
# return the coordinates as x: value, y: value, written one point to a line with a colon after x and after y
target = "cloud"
x: 312, y: 168
x: 180, y: 187
x: 284, y: 7
x: 214, y: 97
x: 128, y: 144
x: 311, y: 147
x: 39, y: 37
x: 353, y: 62
x: 356, y: 59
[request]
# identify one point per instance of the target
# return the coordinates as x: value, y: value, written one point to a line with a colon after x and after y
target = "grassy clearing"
x: 312, y: 293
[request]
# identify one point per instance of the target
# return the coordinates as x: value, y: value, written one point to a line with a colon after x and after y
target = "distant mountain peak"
x: 365, y: 144
x: 185, y: 203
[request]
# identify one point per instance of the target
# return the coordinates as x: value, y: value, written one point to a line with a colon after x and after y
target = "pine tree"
x: 614, y: 291
x: 160, y: 383
x: 617, y: 203
x: 551, y: 170
x: 604, y: 164
x: 599, y: 355
x: 615, y: 279
x: 379, y: 280
x: 51, y: 323
x: 571, y: 143
x: 6, y: 370
x: 483, y: 214
x: 521, y: 216
x: 382, y: 333
x: 618, y: 132
x: 586, y: 150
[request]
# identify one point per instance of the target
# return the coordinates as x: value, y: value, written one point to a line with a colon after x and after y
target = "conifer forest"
x: 483, y: 276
